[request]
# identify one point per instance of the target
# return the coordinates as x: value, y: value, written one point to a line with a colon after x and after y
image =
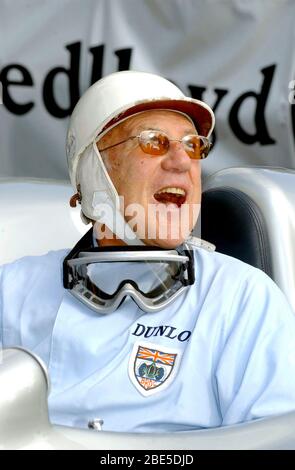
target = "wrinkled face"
x: 161, y: 194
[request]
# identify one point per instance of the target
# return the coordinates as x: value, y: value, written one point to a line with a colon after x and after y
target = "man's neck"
x: 110, y: 242
x: 109, y: 239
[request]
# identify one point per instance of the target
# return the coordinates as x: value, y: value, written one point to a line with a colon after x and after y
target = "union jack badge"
x: 152, y: 367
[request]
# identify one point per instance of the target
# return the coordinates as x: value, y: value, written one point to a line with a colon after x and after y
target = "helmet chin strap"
x: 100, y: 200
x: 108, y: 199
x: 107, y: 212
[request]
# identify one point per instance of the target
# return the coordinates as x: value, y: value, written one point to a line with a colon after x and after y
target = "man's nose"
x: 176, y: 159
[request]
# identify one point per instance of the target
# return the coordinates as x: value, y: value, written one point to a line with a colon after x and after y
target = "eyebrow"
x: 143, y: 127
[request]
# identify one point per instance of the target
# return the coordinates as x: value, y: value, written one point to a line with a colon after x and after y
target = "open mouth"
x: 172, y: 195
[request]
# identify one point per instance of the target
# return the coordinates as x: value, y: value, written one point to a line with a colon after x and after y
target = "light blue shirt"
x: 222, y: 353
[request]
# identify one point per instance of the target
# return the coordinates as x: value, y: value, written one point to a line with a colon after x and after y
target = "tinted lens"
x: 157, y: 143
x: 197, y: 147
x: 153, y: 142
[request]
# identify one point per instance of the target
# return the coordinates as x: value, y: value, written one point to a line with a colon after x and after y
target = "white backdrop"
x: 238, y: 55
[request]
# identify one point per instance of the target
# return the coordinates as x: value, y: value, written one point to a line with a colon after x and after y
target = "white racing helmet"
x: 105, y: 104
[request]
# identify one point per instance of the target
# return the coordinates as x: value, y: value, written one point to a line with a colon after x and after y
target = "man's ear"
x: 76, y: 197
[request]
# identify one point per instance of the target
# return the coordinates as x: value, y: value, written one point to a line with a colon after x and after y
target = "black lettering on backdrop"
x: 72, y: 73
x: 9, y: 103
x: 261, y: 135
x: 197, y: 93
x: 124, y: 56
x: 73, y: 77
x: 97, y: 62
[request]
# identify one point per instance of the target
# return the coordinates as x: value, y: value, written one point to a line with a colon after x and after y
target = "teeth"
x: 179, y: 191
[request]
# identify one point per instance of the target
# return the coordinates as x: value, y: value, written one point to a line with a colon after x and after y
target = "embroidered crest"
x: 152, y: 367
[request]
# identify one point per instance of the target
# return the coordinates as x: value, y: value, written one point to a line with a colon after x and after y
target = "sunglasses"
x: 155, y: 142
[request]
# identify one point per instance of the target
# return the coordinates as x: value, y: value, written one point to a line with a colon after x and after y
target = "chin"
x: 167, y: 236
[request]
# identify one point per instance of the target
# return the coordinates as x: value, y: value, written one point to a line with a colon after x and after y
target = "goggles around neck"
x: 103, y: 277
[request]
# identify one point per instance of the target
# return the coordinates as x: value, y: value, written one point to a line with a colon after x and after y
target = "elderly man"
x: 148, y: 331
